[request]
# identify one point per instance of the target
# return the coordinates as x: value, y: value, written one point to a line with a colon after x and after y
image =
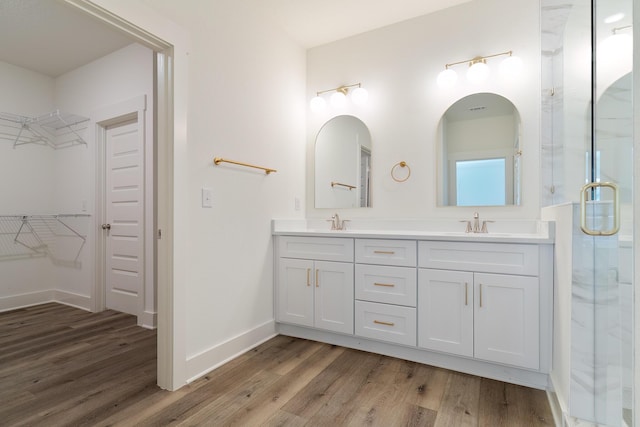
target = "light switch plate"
x: 207, y: 197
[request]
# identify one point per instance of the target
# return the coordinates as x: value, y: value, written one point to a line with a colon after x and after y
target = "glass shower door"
x: 607, y: 209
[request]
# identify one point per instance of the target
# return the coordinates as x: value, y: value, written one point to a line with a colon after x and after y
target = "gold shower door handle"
x: 583, y: 209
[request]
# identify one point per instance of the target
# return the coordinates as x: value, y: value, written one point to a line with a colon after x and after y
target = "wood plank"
x: 459, y: 405
x: 283, y: 390
x: 503, y: 404
x: 70, y: 367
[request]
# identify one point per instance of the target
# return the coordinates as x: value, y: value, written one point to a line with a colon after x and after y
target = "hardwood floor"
x: 63, y: 366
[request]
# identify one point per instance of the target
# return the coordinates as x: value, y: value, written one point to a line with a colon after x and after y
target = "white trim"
x: 214, y: 357
x: 82, y: 302
x: 171, y: 43
x: 133, y: 108
x: 148, y: 320
x: 15, y: 302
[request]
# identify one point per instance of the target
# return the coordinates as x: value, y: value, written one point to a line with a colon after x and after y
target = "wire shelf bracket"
x: 54, y: 129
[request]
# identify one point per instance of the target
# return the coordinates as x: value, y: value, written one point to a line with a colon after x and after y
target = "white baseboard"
x: 15, y: 302
x: 148, y: 320
x: 74, y: 300
x: 208, y: 360
x: 556, y: 409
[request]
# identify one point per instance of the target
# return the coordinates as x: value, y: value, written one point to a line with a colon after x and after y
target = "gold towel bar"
x: 218, y: 160
x: 350, y: 187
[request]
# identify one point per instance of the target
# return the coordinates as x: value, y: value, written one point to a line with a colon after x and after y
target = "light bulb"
x: 478, y: 72
x: 616, y: 17
x: 359, y: 96
x: 317, y: 104
x: 511, y: 67
x: 447, y: 78
x: 338, y: 100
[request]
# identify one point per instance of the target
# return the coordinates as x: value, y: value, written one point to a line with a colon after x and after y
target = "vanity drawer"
x: 386, y: 252
x: 391, y: 285
x: 318, y: 248
x: 481, y: 257
x: 386, y: 322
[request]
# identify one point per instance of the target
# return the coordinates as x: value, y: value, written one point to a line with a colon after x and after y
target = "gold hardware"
x: 350, y: 187
x: 466, y: 293
x: 317, y: 280
x: 342, y: 89
x: 480, y: 295
x: 477, y: 59
x: 379, y: 322
x: 388, y: 285
x: 218, y: 160
x: 583, y: 209
x: 384, y: 252
x: 402, y: 164
x: 308, y: 276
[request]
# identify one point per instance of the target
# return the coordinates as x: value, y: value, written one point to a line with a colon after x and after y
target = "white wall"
x: 399, y: 65
x: 246, y: 102
x: 26, y: 186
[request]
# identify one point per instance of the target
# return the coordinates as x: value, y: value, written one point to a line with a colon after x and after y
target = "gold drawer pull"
x: 317, y: 279
x: 480, y: 294
x: 384, y: 252
x: 388, y: 285
x: 308, y: 279
x: 466, y: 293
x: 379, y: 322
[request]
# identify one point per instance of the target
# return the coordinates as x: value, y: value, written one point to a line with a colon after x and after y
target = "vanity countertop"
x: 501, y: 231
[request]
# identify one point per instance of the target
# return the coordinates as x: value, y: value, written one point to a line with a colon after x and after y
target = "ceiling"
x: 50, y: 38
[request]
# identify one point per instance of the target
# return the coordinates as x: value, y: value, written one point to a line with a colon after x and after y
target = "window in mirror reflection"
x: 480, y: 182
x: 479, y: 161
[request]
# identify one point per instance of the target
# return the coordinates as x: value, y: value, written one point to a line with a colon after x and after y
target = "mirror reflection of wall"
x: 480, y: 156
x: 343, y: 164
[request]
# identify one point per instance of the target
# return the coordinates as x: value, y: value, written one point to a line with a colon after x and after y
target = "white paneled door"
x: 124, y: 214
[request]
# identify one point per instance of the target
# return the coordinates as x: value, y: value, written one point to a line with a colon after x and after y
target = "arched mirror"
x: 479, y: 159
x: 343, y: 164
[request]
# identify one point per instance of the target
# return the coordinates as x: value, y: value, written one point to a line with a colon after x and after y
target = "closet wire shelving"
x: 55, y: 129
x: 28, y: 236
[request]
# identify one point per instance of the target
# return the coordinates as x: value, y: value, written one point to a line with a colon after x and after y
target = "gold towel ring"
x: 402, y: 164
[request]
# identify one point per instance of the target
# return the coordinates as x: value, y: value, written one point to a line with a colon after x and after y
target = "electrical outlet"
x: 207, y: 197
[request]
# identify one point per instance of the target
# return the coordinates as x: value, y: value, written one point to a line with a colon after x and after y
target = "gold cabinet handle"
x: 466, y: 293
x: 480, y: 294
x: 308, y: 277
x: 380, y: 322
x: 317, y: 280
x: 388, y: 285
x: 384, y: 252
x: 583, y: 209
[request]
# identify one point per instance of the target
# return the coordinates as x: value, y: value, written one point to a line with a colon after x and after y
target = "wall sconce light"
x: 338, y: 99
x: 478, y: 70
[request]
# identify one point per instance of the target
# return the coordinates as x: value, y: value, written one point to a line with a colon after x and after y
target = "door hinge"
x: 159, y: 233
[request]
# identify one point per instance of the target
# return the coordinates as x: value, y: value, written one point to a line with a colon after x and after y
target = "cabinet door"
x: 295, y: 292
x: 334, y: 296
x: 445, y: 311
x: 507, y: 319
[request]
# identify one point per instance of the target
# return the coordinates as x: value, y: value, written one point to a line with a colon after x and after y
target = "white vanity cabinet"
x: 315, y: 283
x: 385, y: 283
x: 479, y: 304
x: 472, y: 309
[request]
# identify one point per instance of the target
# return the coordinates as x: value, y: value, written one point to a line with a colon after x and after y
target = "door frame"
x: 171, y: 346
x: 103, y: 118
